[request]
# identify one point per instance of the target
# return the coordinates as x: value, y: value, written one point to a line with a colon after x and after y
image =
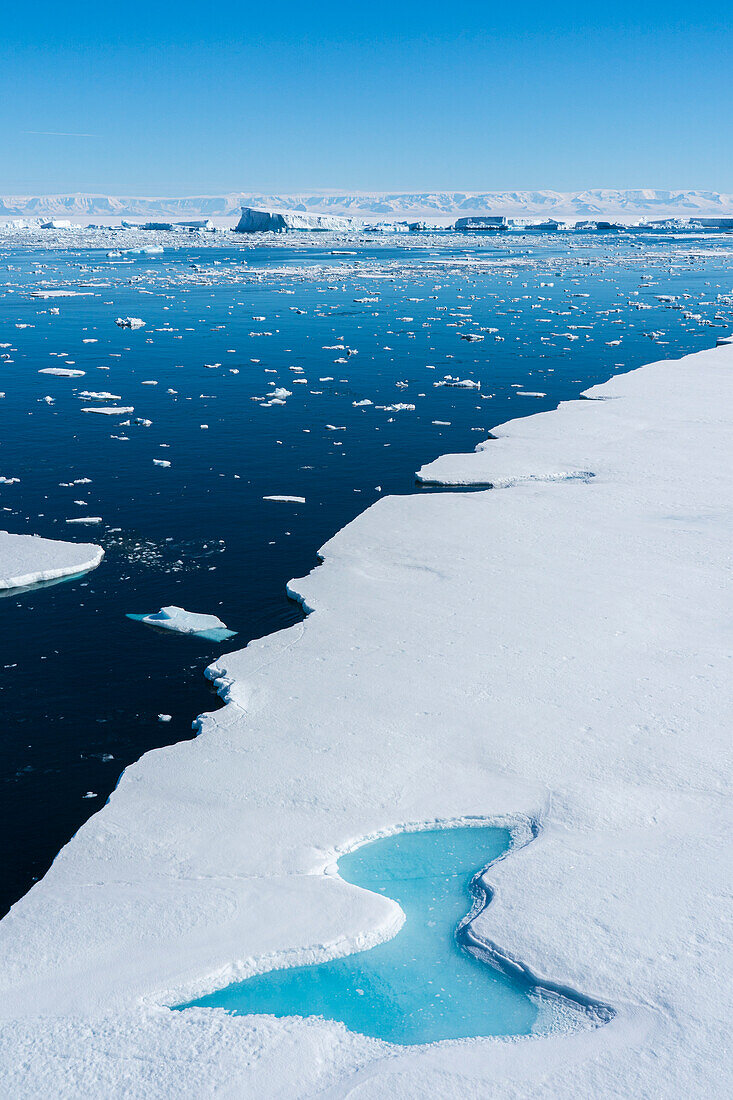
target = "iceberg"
x: 275, y: 221
x: 187, y: 622
x: 481, y: 225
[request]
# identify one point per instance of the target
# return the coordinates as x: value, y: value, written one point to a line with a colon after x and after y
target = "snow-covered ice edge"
x: 552, y: 652
x: 26, y: 560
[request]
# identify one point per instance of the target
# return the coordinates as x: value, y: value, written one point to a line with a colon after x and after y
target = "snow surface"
x: 551, y: 653
x: 30, y: 559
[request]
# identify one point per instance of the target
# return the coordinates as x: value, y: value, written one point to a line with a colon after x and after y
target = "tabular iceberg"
x: 272, y: 221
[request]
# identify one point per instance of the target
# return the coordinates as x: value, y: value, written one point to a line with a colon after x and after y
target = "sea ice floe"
x: 130, y: 322
x: 60, y: 293
x: 459, y: 383
x: 29, y: 559
x: 62, y: 372
x: 180, y: 621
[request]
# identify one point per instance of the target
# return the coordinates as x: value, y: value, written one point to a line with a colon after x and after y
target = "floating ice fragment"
x: 464, y: 383
x: 130, y: 322
x: 180, y: 621
x: 26, y: 560
x: 62, y: 372
x: 60, y: 293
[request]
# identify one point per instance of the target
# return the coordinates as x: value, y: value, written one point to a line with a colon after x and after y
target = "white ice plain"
x: 553, y: 651
x: 29, y: 559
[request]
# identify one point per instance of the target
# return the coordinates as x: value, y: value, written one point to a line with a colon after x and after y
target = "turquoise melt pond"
x: 422, y: 985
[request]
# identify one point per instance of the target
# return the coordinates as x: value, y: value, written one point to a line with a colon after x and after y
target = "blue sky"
x: 187, y: 98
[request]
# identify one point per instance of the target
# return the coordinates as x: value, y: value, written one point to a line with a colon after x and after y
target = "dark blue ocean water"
x: 82, y: 685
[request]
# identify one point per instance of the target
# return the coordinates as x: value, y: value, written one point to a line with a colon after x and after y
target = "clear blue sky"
x: 152, y: 98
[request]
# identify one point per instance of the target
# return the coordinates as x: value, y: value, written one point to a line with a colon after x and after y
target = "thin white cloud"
x: 56, y: 133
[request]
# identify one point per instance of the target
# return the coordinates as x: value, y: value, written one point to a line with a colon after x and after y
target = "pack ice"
x: 552, y: 656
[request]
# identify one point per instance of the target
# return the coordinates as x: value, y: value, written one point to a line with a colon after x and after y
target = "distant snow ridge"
x: 638, y: 202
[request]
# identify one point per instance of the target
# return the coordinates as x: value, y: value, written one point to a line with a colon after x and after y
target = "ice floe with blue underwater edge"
x: 29, y: 560
x: 180, y: 621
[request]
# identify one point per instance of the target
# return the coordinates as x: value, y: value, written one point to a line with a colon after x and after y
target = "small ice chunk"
x: 62, y: 372
x: 180, y: 621
x: 460, y: 383
x: 59, y: 293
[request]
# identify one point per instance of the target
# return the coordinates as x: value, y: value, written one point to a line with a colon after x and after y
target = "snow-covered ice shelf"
x: 550, y: 653
x: 29, y: 559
